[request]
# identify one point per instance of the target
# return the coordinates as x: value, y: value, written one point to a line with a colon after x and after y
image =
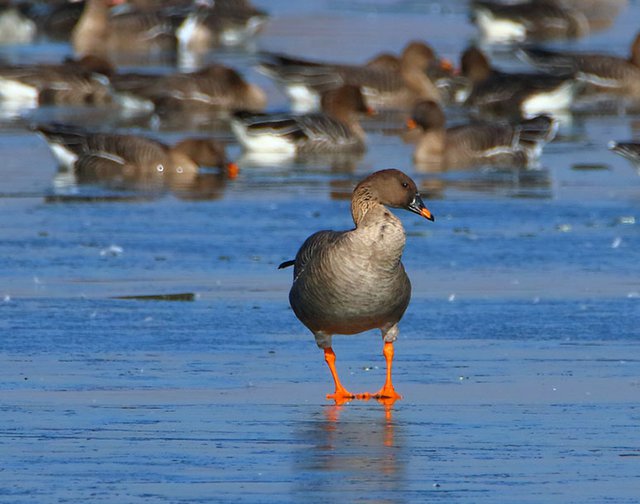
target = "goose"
x: 335, y: 129
x: 348, y: 282
x: 481, y: 142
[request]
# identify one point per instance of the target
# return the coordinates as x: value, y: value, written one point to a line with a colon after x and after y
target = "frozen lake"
x: 518, y: 358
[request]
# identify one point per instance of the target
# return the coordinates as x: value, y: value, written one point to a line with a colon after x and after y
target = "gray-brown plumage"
x: 100, y: 31
x: 628, y: 150
x: 481, y: 142
x: 220, y: 22
x: 529, y: 19
x: 602, y: 72
x: 384, y: 85
x: 130, y: 161
x: 514, y: 94
x: 214, y: 87
x: 347, y: 282
x: 336, y: 129
x: 73, y: 82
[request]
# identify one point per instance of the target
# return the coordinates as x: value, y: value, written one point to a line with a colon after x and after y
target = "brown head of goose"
x: 347, y: 282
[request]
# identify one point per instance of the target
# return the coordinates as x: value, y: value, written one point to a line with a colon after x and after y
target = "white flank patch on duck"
x: 65, y: 157
x: 202, y: 97
x: 499, y: 30
x: 18, y: 93
x: 598, y: 80
x: 552, y: 101
x: 303, y: 98
x: 16, y: 29
x: 461, y: 95
x: 110, y: 156
x: 133, y: 103
x: 372, y: 95
x: 263, y: 141
x: 233, y: 36
x: 240, y: 34
x: 265, y: 158
x: 499, y: 149
x: 533, y: 152
x: 65, y: 182
x: 186, y: 31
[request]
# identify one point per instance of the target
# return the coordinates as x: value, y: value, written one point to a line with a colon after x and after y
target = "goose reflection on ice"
x: 338, y: 162
x: 349, y: 451
x: 513, y: 183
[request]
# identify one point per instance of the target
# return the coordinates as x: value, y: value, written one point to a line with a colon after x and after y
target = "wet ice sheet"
x: 517, y: 357
x: 481, y: 420
x: 115, y: 397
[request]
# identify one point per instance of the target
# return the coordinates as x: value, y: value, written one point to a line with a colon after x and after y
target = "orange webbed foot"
x: 382, y: 394
x: 341, y: 396
x: 387, y: 393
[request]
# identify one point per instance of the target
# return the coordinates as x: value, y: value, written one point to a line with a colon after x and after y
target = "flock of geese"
x: 512, y: 115
x: 344, y: 282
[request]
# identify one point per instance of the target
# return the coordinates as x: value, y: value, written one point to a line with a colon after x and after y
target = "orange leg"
x: 387, y: 391
x: 341, y: 394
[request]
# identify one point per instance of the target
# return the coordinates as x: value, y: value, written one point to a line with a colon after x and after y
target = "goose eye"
x: 405, y: 184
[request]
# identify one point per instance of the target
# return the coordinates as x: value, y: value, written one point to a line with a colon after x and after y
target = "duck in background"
x: 79, y: 82
x: 125, y: 161
x: 601, y: 73
x: 212, y: 23
x: 103, y: 31
x: 336, y: 129
x: 501, y: 22
x: 384, y: 83
x: 491, y: 91
x: 524, y: 20
x: 56, y: 19
x: 478, y: 143
x: 214, y: 87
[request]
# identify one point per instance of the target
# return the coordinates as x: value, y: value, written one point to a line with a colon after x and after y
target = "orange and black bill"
x: 418, y: 206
